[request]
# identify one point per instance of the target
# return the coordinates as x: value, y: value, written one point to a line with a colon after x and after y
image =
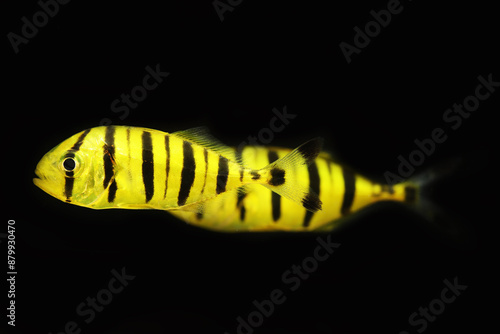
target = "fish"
x: 251, y: 208
x: 206, y: 183
x: 139, y: 168
x: 199, y: 180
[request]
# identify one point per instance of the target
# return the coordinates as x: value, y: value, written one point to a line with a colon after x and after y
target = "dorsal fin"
x: 201, y: 136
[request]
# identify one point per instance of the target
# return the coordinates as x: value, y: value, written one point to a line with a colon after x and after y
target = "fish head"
x: 66, y: 172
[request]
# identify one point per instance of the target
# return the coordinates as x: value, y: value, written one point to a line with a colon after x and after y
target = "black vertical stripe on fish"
x: 239, y: 155
x: 110, y: 136
x: 205, y: 156
x: 239, y: 159
x: 129, y: 155
x: 241, y: 195
x: 222, y: 175
x: 109, y: 161
x: 167, y: 163
x: 68, y: 179
x: 68, y: 187
x: 108, y: 155
x: 148, y: 165
x: 350, y: 189
x: 314, y: 182
x: 242, y: 213
x: 112, y: 191
x: 187, y: 174
x: 79, y: 142
x: 275, y: 198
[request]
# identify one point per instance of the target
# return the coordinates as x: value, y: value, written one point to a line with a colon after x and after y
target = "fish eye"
x: 69, y: 164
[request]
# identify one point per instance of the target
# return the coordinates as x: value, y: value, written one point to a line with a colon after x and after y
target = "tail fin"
x: 419, y: 191
x: 281, y: 176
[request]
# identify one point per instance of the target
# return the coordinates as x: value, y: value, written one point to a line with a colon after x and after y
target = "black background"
x: 229, y: 76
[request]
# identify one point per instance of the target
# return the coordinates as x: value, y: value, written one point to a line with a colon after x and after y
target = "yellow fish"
x: 138, y: 168
x: 253, y: 208
x: 208, y: 184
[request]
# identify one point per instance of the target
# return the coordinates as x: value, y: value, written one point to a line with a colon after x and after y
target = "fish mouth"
x: 37, y: 180
x: 44, y: 184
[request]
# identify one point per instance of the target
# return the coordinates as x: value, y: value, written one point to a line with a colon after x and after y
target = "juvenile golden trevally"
x: 207, y: 184
x: 138, y: 168
x: 254, y: 208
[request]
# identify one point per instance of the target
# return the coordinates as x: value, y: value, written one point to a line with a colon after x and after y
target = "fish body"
x: 138, y: 168
x: 254, y: 208
x: 205, y: 183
